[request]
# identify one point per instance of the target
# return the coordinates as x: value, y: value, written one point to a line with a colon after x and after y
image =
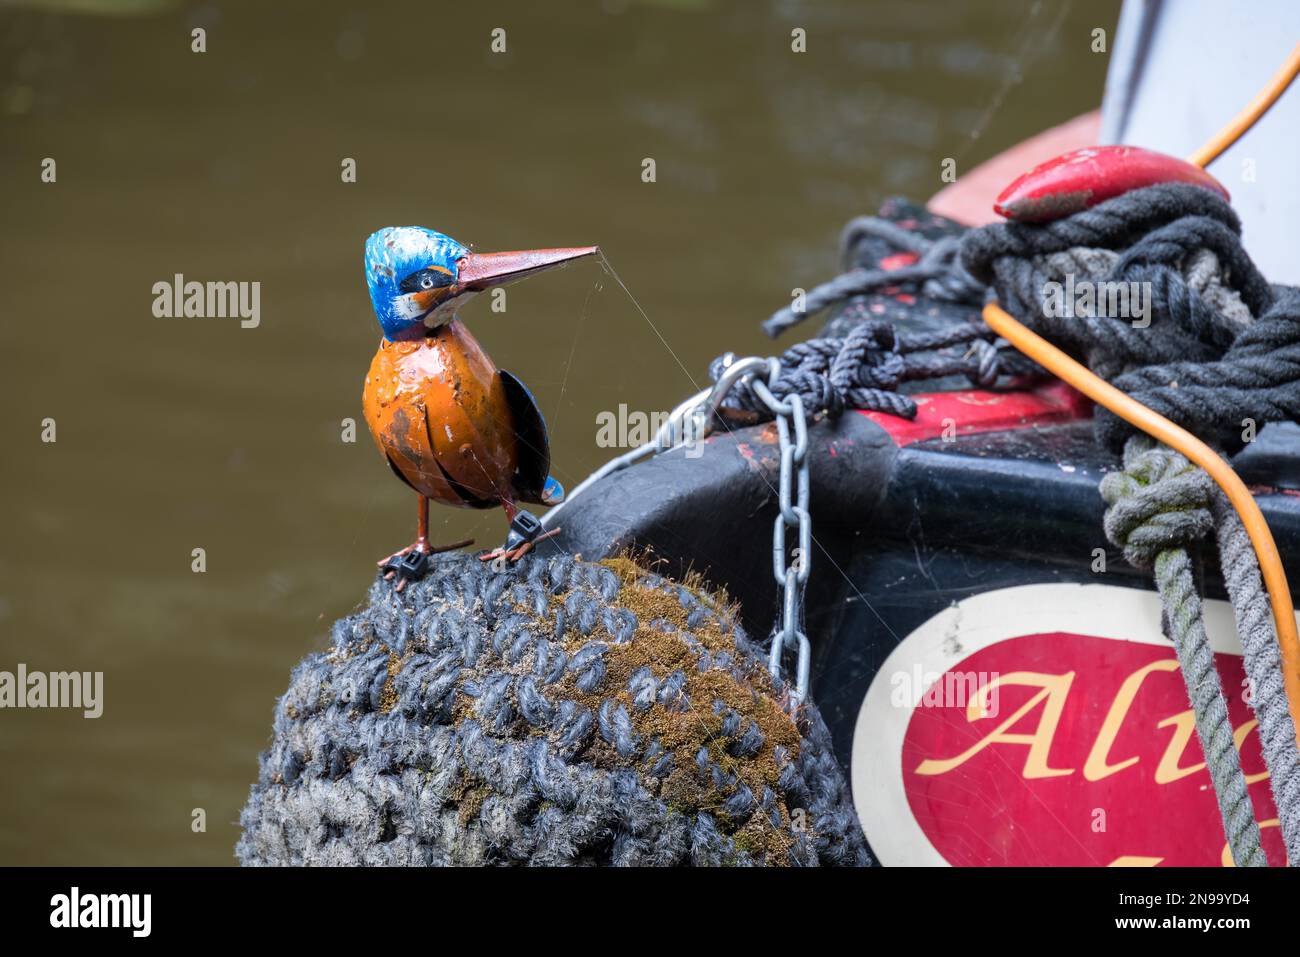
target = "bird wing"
x: 534, y: 444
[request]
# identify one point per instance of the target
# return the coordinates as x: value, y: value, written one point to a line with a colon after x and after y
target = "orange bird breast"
x: 439, y: 413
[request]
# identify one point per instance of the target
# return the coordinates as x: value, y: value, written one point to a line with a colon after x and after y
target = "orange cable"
x: 1176, y: 437
x: 1161, y: 429
x: 1249, y: 116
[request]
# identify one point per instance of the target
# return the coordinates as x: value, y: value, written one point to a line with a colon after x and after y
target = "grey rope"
x: 1159, y: 505
x: 1263, y: 662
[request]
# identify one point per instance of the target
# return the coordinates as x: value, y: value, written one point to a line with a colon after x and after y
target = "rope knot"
x: 865, y: 342
x: 1160, y: 501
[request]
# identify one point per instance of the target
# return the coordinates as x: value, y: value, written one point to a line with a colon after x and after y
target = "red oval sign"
x: 1067, y: 749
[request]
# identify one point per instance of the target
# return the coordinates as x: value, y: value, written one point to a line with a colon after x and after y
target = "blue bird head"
x: 411, y: 271
x: 419, y: 277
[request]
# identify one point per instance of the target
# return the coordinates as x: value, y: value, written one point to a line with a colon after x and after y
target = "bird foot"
x: 412, y: 562
x: 525, y: 533
x: 514, y: 554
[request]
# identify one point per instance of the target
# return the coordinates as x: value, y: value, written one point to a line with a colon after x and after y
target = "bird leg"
x: 525, y: 533
x: 412, y: 562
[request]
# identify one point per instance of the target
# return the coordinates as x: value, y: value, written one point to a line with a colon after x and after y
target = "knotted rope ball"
x: 551, y: 712
x: 1160, y: 501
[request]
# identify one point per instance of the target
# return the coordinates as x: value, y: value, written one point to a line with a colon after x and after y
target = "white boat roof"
x: 1180, y: 70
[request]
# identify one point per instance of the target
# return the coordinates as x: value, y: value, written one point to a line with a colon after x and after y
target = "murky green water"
x: 176, y: 434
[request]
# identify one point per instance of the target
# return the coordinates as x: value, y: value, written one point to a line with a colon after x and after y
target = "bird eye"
x: 426, y: 279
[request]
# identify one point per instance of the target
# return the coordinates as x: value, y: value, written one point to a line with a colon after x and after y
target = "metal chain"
x: 793, y: 499
x: 691, y: 422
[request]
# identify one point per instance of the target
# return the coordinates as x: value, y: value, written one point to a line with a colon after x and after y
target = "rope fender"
x: 552, y: 712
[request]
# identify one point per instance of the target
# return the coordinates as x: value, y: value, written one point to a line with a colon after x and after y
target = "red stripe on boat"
x: 970, y: 411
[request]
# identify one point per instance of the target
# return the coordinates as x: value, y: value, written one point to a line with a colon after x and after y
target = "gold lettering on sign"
x: 1055, y: 690
x: 1097, y: 767
x: 1134, y: 860
x: 1168, y: 770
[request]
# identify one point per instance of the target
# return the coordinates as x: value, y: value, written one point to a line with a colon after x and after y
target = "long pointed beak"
x: 479, y: 271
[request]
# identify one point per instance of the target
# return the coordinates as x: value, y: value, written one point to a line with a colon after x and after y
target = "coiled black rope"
x: 1192, y: 364
x: 1203, y: 366
x: 938, y: 270
x: 865, y: 368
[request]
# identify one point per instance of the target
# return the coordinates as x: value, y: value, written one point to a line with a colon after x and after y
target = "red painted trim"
x: 1084, y: 178
x: 970, y: 411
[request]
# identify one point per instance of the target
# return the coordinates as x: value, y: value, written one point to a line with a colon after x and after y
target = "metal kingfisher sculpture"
x: 450, y: 424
